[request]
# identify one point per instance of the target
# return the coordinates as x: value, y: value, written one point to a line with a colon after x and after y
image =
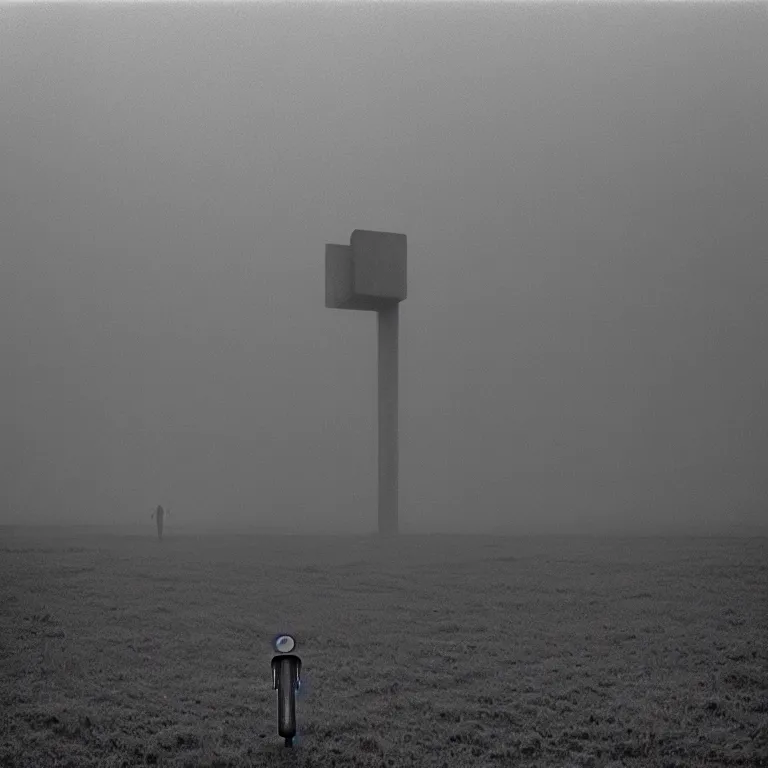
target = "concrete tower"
x: 371, y: 274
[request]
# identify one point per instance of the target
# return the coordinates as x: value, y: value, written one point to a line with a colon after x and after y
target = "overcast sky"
x: 584, y: 190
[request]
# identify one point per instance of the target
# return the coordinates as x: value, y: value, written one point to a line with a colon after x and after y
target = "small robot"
x: 286, y: 671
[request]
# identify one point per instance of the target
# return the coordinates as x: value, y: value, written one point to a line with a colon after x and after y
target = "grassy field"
x: 119, y: 650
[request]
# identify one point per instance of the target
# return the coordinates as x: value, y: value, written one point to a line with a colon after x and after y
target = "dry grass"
x: 427, y: 651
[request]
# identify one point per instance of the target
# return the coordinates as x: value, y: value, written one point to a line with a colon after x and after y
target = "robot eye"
x: 285, y: 644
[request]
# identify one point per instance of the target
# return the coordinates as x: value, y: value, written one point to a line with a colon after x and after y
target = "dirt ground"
x: 119, y: 650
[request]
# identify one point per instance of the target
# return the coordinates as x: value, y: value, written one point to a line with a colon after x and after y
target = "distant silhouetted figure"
x: 159, y: 514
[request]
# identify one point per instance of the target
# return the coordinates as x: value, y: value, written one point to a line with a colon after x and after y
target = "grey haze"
x: 584, y: 191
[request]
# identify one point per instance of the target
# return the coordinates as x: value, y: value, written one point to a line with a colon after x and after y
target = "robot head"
x: 284, y: 644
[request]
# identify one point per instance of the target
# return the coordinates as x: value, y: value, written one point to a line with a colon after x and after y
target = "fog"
x: 585, y: 194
